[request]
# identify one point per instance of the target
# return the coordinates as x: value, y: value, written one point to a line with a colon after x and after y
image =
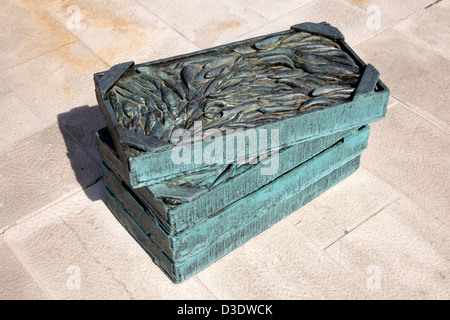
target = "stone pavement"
x: 382, y: 233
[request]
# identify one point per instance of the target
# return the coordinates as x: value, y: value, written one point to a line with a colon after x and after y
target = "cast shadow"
x: 78, y: 127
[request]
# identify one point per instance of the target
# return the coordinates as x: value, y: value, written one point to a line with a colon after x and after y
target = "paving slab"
x: 38, y: 32
x: 401, y: 253
x: 416, y: 75
x: 388, y: 11
x: 16, y: 118
x: 45, y: 3
x: 273, y: 9
x: 4, y: 87
x: 78, y: 250
x: 430, y: 26
x: 341, y: 208
x: 349, y: 19
x: 206, y: 24
x: 41, y: 169
x: 411, y: 154
x: 118, y: 32
x: 57, y: 81
x: 15, y: 281
x: 82, y: 123
x: 279, y: 264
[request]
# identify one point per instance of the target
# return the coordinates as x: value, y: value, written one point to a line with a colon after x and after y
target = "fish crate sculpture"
x: 304, y: 87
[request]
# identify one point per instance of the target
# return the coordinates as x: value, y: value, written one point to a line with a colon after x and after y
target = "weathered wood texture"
x: 199, y: 203
x: 305, y: 82
x: 305, y: 86
x: 181, y: 270
x: 206, y: 231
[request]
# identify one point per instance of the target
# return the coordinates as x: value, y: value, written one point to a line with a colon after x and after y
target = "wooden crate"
x: 147, y: 158
x: 181, y: 270
x: 219, y: 229
x: 199, y: 203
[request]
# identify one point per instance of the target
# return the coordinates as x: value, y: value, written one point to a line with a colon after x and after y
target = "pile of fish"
x: 244, y: 87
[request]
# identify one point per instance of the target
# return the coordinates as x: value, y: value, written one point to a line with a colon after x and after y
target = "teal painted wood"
x: 202, y: 202
x: 155, y: 164
x: 202, y: 233
x: 182, y: 270
x: 149, y: 168
x: 141, y: 237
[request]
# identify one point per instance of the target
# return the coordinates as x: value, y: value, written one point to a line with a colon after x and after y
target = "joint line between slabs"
x: 25, y: 136
x: 432, y: 4
x: 206, y: 287
x: 76, y: 39
x: 253, y: 10
x: 357, y: 224
x: 27, y: 268
x: 352, y: 276
x: 402, y: 195
x: 421, y: 115
x: 4, y: 229
x: 354, y: 6
x: 166, y: 23
x: 38, y: 55
x: 96, y: 260
x: 389, y: 26
x: 88, y: 152
x: 14, y: 90
x: 242, y: 35
x: 100, y: 178
x: 423, y: 43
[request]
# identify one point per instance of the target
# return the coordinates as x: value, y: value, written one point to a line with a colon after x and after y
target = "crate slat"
x: 147, y: 158
x: 177, y: 246
x: 182, y: 270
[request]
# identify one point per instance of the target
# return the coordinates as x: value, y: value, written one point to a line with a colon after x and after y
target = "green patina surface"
x: 304, y: 85
x: 311, y: 125
x: 305, y: 82
x: 182, y: 270
x: 203, y: 232
x: 198, y: 203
